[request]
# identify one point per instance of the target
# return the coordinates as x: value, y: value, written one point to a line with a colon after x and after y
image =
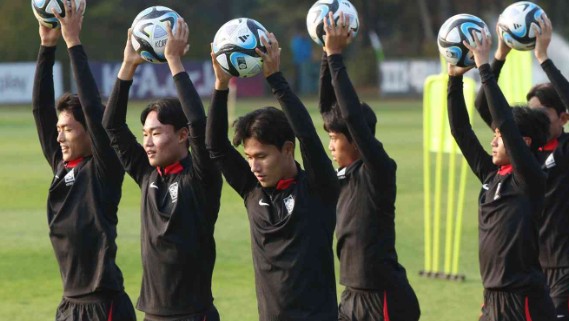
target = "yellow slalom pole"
x: 438, y: 189
x: 427, y: 173
x: 459, y: 213
x: 450, y: 208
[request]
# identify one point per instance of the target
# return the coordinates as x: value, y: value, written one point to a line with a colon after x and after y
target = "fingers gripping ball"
x: 516, y: 24
x: 320, y: 10
x: 149, y: 32
x: 43, y: 11
x: 234, y: 47
x: 459, y: 28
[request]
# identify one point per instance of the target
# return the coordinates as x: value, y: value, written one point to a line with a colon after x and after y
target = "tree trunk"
x: 426, y: 21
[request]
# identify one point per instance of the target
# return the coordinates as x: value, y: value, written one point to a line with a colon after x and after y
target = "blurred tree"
x: 406, y: 28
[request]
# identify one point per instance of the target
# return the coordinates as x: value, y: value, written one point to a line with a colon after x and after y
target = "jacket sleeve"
x: 107, y: 162
x: 558, y: 81
x: 205, y: 169
x: 326, y: 95
x: 233, y: 166
x: 371, y: 150
x: 43, y: 107
x: 318, y: 166
x: 478, y: 160
x: 524, y: 163
x: 129, y: 151
x: 480, y: 102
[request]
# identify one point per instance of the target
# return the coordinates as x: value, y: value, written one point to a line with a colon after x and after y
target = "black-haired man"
x: 376, y: 284
x: 291, y: 211
x: 553, y: 97
x: 511, y: 198
x: 84, y: 195
x: 180, y: 191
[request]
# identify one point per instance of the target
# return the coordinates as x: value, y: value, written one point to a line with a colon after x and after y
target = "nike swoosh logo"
x: 485, y: 186
x: 263, y: 203
x: 152, y: 185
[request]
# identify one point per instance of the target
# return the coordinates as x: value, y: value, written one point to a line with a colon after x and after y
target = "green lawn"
x: 30, y: 286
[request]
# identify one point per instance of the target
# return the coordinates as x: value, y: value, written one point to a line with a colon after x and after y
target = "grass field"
x: 30, y: 285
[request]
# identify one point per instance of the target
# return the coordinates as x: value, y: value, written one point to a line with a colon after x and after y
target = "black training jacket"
x: 82, y: 201
x: 291, y: 229
x: 554, y: 157
x: 179, y: 208
x: 511, y: 198
x: 365, y: 226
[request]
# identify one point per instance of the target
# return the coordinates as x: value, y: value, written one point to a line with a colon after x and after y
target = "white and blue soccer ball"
x: 516, y: 24
x: 234, y: 47
x: 320, y: 10
x: 149, y: 32
x: 43, y: 8
x: 453, y: 32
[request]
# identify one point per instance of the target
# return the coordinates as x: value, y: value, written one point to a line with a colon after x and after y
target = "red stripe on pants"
x: 528, y: 316
x: 385, y: 310
x: 110, y: 318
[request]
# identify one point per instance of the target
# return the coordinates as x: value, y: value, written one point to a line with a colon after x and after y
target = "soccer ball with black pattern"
x: 42, y: 11
x: 516, y: 22
x: 234, y: 47
x: 149, y: 33
x: 320, y: 10
x: 453, y: 32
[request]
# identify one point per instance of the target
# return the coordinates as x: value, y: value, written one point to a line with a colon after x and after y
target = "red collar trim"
x: 171, y: 169
x: 505, y: 170
x: 550, y: 146
x: 73, y: 163
x: 285, y: 183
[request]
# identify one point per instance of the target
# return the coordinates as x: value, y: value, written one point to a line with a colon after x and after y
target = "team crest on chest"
x: 289, y: 204
x: 69, y: 178
x: 550, y: 161
x: 173, y: 189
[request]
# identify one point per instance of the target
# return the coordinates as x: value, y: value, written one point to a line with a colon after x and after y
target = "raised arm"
x: 130, y: 152
x: 480, y: 102
x: 371, y: 150
x: 108, y: 164
x: 43, y: 97
x: 192, y: 106
x: 525, y: 165
x: 478, y: 159
x: 557, y: 79
x: 326, y: 95
x: 233, y: 166
x: 315, y: 160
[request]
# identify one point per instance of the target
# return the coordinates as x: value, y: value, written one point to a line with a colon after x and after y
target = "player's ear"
x: 288, y: 148
x: 564, y: 118
x: 183, y: 134
x: 527, y: 140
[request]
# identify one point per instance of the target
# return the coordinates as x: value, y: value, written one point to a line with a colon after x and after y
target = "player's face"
x: 556, y: 122
x: 268, y: 163
x: 343, y: 151
x: 72, y: 137
x: 499, y: 155
x: 163, y: 144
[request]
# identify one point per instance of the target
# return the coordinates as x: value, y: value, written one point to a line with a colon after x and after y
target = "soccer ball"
x: 42, y: 11
x: 320, y: 10
x: 149, y: 32
x: 453, y: 32
x: 234, y: 47
x: 516, y: 23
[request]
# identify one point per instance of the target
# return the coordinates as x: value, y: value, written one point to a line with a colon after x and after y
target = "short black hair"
x: 548, y: 97
x: 533, y: 123
x: 334, y: 122
x: 169, y: 112
x: 268, y: 125
x: 70, y: 103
